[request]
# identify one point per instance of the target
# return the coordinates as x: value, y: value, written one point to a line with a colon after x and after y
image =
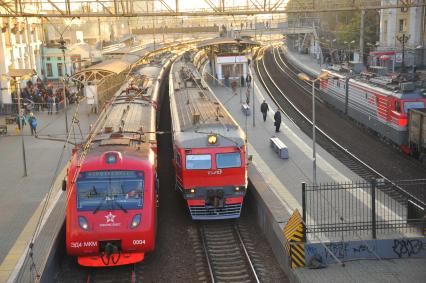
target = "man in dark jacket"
x: 277, y: 118
x: 248, y: 80
x: 264, y: 108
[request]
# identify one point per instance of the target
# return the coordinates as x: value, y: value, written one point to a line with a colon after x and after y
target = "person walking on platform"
x: 33, y: 124
x: 248, y: 80
x: 264, y: 108
x: 277, y: 118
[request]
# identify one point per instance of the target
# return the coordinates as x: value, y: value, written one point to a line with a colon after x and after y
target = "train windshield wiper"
x: 100, y: 205
x: 119, y: 205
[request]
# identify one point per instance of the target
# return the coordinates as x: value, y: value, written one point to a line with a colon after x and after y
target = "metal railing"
x: 364, y: 209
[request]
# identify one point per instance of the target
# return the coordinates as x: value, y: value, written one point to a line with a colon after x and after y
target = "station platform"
x: 22, y: 198
x: 284, y: 177
x: 306, y: 62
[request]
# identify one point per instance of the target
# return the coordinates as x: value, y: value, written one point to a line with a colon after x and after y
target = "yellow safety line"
x: 21, y: 244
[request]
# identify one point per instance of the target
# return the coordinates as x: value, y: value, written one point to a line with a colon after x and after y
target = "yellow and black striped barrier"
x: 294, y: 233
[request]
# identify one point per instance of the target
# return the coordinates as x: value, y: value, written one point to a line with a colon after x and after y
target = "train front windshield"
x: 110, y: 190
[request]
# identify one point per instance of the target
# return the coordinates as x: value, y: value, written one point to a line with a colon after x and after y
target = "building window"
x: 401, y: 25
x: 47, y: 58
x: 49, y: 70
x: 59, y: 58
x: 60, y: 71
x: 385, y: 27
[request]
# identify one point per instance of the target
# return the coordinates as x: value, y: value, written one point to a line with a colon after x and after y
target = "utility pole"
x: 361, y: 38
x: 63, y: 48
x: 403, y: 39
x: 21, y: 124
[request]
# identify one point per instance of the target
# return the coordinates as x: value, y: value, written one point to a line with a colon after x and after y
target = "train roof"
x: 397, y: 93
x: 197, y: 112
x: 131, y: 115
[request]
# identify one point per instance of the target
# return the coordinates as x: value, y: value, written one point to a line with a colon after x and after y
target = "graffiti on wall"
x: 369, y: 249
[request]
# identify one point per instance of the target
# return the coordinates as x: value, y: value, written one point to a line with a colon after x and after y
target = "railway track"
x: 125, y: 274
x: 293, y: 96
x: 226, y: 254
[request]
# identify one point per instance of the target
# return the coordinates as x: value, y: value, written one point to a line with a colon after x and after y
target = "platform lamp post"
x: 403, y: 39
x: 17, y: 76
x: 323, y: 76
x: 238, y: 40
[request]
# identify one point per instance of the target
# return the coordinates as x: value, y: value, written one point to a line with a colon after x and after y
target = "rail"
x: 218, y: 241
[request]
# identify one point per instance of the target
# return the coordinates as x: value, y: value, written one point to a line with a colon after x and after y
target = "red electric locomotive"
x: 112, y: 187
x: 377, y: 103
x: 209, y: 147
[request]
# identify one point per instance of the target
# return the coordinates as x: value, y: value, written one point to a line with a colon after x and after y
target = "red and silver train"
x: 378, y: 108
x: 209, y: 147
x: 112, y: 188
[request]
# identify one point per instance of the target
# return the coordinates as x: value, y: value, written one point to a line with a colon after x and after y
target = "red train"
x: 112, y: 195
x: 209, y: 147
x: 377, y: 103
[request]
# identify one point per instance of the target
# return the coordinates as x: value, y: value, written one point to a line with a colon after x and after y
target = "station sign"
x: 231, y: 59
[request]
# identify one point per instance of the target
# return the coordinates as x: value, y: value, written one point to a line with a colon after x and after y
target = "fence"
x: 364, y: 210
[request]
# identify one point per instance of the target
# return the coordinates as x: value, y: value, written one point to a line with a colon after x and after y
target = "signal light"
x: 212, y: 139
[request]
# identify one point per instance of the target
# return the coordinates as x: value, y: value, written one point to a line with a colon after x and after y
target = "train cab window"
x: 413, y: 105
x: 228, y: 160
x: 198, y: 161
x: 110, y: 190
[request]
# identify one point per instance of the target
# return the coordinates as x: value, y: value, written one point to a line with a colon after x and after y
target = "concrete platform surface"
x: 22, y: 197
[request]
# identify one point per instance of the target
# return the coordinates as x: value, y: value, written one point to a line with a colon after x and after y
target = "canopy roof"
x: 14, y: 73
x: 98, y: 72
x: 226, y: 40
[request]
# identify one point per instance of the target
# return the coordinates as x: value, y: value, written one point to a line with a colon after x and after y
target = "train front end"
x: 111, y: 209
x: 212, y: 179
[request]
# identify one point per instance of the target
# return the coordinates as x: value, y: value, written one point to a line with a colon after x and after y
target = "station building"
x: 20, y: 48
x: 396, y: 25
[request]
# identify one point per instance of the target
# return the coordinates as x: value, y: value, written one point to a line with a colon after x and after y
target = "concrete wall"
x: 368, y: 249
x: 271, y: 217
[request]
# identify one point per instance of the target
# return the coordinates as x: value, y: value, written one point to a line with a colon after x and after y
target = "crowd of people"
x: 41, y: 97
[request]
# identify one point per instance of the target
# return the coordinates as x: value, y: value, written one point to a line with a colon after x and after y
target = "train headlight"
x: 135, y: 221
x: 237, y: 189
x: 82, y: 221
x: 192, y: 191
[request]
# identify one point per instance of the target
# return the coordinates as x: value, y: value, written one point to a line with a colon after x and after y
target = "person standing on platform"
x: 277, y: 118
x: 264, y: 108
x: 248, y: 80
x: 33, y: 124
x: 21, y: 120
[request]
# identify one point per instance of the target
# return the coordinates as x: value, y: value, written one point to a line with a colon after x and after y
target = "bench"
x: 279, y: 147
x: 10, y: 120
x: 246, y: 109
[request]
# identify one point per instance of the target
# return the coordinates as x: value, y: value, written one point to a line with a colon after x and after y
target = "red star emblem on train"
x: 110, y: 217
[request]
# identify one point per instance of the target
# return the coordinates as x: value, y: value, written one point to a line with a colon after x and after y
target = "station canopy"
x: 226, y: 40
x: 96, y: 73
